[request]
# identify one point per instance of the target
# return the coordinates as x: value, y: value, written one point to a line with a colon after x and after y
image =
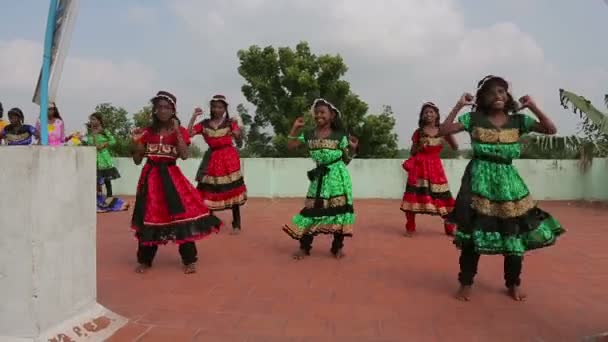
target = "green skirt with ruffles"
x: 328, y: 208
x: 500, y: 227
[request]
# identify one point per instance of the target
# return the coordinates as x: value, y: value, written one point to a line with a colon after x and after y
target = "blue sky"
x: 400, y: 53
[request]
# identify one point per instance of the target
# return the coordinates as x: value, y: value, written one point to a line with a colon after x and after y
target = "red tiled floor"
x: 388, y: 288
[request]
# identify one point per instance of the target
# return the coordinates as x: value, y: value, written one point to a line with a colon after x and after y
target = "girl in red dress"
x: 427, y: 190
x: 219, y: 176
x: 167, y: 206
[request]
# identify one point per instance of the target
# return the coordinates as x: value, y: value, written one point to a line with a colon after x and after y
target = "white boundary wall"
x: 384, y: 178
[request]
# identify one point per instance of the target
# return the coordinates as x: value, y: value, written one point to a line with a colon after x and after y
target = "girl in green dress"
x: 328, y: 208
x: 494, y: 211
x: 102, y: 139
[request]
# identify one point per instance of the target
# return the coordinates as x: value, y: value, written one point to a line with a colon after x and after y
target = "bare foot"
x: 517, y: 294
x: 235, y: 231
x: 300, y: 254
x: 409, y: 234
x: 339, y: 254
x: 141, y: 268
x: 189, y: 269
x: 464, y: 293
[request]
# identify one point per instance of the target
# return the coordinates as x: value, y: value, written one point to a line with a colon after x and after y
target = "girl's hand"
x: 198, y: 111
x: 353, y: 142
x: 299, y: 123
x: 527, y: 102
x: 466, y: 100
x: 137, y: 134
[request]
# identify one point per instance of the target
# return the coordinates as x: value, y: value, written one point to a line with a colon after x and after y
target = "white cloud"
x: 398, y: 52
x: 84, y: 83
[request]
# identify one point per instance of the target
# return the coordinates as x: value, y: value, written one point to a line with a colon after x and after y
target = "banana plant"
x: 586, y: 148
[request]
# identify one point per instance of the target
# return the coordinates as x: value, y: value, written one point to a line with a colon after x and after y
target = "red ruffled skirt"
x: 427, y: 190
x: 220, y: 179
x: 169, y: 208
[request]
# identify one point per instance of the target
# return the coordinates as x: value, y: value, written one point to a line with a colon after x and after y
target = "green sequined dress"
x: 105, y: 162
x: 328, y: 208
x: 494, y: 211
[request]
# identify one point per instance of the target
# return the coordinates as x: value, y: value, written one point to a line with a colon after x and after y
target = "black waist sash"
x: 173, y: 200
x: 319, y: 173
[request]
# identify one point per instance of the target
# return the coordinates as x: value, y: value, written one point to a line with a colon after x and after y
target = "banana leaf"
x: 581, y: 105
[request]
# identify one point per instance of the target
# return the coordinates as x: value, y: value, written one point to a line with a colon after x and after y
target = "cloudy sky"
x: 399, y: 52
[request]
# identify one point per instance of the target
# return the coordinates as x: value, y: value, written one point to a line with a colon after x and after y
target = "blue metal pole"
x: 46, y: 73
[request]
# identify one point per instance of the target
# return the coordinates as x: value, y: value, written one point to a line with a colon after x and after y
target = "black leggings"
x: 469, y: 259
x: 146, y: 254
x: 236, y: 216
x: 336, y: 245
x: 108, y: 184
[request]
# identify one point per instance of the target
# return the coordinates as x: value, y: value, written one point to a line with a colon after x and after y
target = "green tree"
x: 116, y: 120
x: 374, y: 141
x: 256, y: 143
x: 282, y: 84
x: 143, y: 117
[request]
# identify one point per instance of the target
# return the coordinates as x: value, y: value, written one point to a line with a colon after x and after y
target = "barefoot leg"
x: 142, y: 268
x: 305, y: 247
x: 464, y: 293
x: 300, y: 254
x: 190, y: 269
x: 469, y: 260
x: 236, y: 220
x: 517, y: 294
x: 512, y: 268
x: 339, y: 254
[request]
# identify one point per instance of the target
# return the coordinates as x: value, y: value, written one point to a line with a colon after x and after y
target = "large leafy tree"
x: 257, y: 143
x: 282, y: 83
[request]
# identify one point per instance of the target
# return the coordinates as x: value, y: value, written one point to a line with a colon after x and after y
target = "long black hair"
x: 1, y: 110
x: 99, y: 118
x: 484, y: 86
x: 420, y: 116
x: 56, y: 114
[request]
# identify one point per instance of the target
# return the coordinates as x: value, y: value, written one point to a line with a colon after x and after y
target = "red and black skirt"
x: 220, y: 179
x: 427, y: 190
x: 168, y: 208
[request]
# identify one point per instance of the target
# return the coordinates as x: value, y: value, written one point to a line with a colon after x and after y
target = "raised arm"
x: 451, y: 141
x: 197, y: 112
x: 235, y: 128
x: 294, y: 140
x: 449, y: 127
x: 544, y: 124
